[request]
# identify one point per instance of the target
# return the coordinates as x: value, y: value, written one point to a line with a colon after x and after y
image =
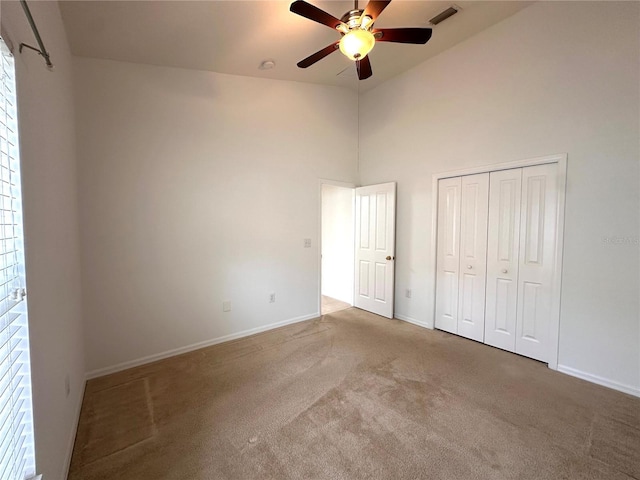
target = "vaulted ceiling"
x: 234, y: 37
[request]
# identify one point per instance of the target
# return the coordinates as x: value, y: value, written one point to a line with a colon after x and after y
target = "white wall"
x: 337, y: 242
x: 556, y: 77
x: 47, y: 143
x: 198, y: 188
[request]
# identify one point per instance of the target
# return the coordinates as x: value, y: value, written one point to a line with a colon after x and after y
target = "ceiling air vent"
x: 441, y: 17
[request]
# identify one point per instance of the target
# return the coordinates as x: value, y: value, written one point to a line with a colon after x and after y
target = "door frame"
x: 335, y: 183
x: 556, y: 282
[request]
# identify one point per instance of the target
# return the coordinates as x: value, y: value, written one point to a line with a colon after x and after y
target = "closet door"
x: 474, y: 207
x: 502, y: 259
x: 537, y: 260
x: 448, y: 254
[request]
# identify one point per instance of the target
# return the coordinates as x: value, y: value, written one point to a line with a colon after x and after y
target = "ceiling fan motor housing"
x: 353, y: 18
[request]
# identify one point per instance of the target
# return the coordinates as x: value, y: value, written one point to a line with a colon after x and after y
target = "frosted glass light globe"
x: 357, y: 44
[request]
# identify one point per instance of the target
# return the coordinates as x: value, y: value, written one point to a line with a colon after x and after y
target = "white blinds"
x: 16, y: 422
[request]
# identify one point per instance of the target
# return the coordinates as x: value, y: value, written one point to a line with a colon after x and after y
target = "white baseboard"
x: 195, y: 346
x: 74, y: 432
x: 404, y: 318
x: 635, y: 391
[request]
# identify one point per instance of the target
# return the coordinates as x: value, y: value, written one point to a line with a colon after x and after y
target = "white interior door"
x: 448, y: 254
x: 502, y: 259
x: 375, y: 248
x: 474, y: 211
x: 537, y: 260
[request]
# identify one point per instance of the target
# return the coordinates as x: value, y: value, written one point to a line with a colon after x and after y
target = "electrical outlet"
x: 67, y: 385
x: 272, y: 298
x: 407, y: 293
x: 226, y: 306
x: 307, y: 243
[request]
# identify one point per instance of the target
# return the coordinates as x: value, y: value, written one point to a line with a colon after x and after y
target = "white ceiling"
x: 235, y: 36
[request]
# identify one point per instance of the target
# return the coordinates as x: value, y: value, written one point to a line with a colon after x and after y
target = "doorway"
x: 337, y: 241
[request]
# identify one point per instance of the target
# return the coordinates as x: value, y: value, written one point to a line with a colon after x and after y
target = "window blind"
x: 16, y: 418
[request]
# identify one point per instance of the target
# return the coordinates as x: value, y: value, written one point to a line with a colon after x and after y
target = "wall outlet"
x: 272, y: 298
x: 407, y: 293
x: 307, y: 243
x: 226, y: 306
x: 67, y: 385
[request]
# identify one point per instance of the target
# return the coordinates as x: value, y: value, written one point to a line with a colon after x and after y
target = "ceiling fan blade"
x: 319, y: 55
x: 314, y: 13
x: 403, y: 35
x: 375, y: 8
x: 364, y: 68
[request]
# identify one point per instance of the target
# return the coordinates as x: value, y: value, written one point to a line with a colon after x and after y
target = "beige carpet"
x: 348, y: 396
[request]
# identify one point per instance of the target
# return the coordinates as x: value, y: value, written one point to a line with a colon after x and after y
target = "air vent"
x: 441, y: 17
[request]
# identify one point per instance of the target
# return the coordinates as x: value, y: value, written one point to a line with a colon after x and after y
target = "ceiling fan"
x: 358, y: 34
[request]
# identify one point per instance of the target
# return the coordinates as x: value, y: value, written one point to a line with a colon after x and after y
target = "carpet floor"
x: 352, y: 395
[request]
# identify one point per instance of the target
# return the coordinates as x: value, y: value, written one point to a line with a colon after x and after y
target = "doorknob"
x: 469, y: 267
x: 504, y: 270
x: 388, y: 257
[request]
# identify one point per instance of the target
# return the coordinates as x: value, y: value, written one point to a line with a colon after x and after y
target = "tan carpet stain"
x: 352, y: 395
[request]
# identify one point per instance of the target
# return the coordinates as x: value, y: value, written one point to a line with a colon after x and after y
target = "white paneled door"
x: 537, y: 257
x: 474, y: 206
x: 448, y: 256
x: 375, y: 248
x: 502, y: 259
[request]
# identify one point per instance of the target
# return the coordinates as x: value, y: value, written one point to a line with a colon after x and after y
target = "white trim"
x: 556, y: 284
x: 195, y: 346
x: 556, y: 280
x: 404, y: 318
x: 605, y: 382
x: 74, y: 432
x: 530, y: 162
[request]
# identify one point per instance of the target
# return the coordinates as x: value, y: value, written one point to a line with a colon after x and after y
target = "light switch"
x: 226, y: 306
x: 307, y: 243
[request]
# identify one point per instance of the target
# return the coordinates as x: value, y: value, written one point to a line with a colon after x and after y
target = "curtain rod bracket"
x: 42, y: 50
x: 45, y: 55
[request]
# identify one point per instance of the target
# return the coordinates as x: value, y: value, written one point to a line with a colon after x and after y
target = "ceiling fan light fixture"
x: 356, y: 44
x: 365, y: 22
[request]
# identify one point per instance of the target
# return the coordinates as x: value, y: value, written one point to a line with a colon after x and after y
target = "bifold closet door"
x: 537, y: 260
x: 448, y: 254
x: 502, y: 258
x: 474, y: 205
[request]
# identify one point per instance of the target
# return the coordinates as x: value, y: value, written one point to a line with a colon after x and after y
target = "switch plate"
x: 272, y: 298
x: 307, y: 243
x: 407, y: 293
x: 226, y: 306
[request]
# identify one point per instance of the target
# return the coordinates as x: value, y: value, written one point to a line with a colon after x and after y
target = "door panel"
x: 502, y: 259
x: 375, y: 242
x: 448, y: 257
x: 380, y: 282
x: 362, y: 220
x: 537, y: 257
x: 363, y: 275
x: 474, y: 206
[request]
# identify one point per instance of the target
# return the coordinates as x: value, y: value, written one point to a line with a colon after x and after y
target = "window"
x: 16, y: 419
